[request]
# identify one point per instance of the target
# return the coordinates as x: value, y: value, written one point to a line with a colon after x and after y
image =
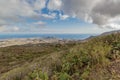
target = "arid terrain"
x: 22, y: 41
x: 96, y: 58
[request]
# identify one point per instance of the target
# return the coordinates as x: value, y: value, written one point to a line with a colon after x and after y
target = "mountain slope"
x: 111, y: 32
x: 98, y: 58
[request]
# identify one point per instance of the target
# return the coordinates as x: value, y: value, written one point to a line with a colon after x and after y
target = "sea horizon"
x: 70, y: 36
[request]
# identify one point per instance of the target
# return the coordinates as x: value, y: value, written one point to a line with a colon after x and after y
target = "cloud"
x: 107, y: 13
x: 55, y: 4
x: 7, y: 28
x: 78, y: 8
x: 103, y: 13
x: 39, y: 4
x: 2, y: 28
x: 99, y: 12
x: 108, y: 8
x: 63, y: 17
x: 15, y: 28
x: 39, y: 23
x: 13, y: 11
x: 49, y: 16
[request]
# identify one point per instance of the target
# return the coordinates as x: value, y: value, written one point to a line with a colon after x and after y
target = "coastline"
x: 23, y: 41
x: 20, y: 39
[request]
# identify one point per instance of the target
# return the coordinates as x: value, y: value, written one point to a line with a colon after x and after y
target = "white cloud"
x: 15, y: 28
x: 39, y: 23
x: 103, y: 13
x: 111, y: 25
x: 99, y: 12
x: 63, y: 17
x: 2, y: 28
x: 55, y: 4
x: 12, y: 11
x: 8, y: 28
x: 88, y: 19
x: 49, y: 16
x: 39, y: 4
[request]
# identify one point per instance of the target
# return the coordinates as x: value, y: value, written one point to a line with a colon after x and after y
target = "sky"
x: 59, y: 16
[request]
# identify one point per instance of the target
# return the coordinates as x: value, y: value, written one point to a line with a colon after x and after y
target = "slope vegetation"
x: 97, y: 58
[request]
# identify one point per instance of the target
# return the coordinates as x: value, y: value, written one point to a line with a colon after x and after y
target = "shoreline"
x: 23, y: 41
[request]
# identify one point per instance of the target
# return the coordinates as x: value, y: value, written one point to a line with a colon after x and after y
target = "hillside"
x: 111, y: 32
x: 97, y: 58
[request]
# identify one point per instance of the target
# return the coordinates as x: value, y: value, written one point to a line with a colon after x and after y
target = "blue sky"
x: 58, y: 16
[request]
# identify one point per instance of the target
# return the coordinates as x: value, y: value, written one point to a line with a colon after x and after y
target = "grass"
x: 17, y: 61
x: 95, y: 59
x: 90, y: 60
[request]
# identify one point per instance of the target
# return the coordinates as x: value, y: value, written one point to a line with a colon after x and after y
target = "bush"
x: 38, y: 75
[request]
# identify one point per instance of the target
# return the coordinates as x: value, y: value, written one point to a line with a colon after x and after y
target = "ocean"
x: 59, y: 36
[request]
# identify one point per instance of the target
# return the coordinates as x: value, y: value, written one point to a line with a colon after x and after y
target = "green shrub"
x: 64, y: 76
x: 38, y: 75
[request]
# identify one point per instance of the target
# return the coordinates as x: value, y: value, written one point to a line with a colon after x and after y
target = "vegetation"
x: 17, y: 61
x: 95, y: 59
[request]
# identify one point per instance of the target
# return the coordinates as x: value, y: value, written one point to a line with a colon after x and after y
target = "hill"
x: 98, y: 58
x: 111, y: 32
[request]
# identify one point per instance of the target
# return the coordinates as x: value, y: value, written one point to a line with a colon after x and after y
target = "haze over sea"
x: 59, y: 36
